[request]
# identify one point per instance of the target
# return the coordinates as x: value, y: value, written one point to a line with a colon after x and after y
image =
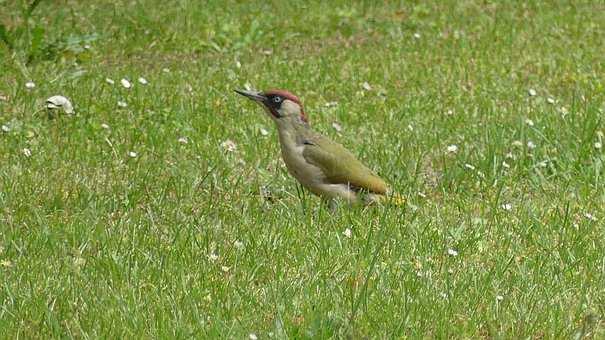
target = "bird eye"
x: 276, y: 99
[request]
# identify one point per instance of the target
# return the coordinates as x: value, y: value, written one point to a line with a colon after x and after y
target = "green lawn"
x: 172, y: 215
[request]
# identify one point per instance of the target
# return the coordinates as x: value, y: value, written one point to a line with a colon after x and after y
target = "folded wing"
x: 344, y: 169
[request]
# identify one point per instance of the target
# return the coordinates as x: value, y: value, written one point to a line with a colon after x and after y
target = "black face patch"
x: 274, y: 102
x: 273, y: 105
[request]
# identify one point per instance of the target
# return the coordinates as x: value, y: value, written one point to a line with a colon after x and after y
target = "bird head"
x: 279, y: 104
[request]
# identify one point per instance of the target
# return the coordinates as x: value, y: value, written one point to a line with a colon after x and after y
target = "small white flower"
x: 563, y: 111
x: 183, y: 140
x: 452, y: 252
x: 143, y: 81
x: 263, y: 131
x: 30, y: 85
x: 225, y: 269
x: 132, y: 154
x: 532, y: 92
x: 59, y: 102
x: 550, y: 100
x: 499, y: 298
x: 529, y: 122
x: 469, y: 166
x: 27, y: 152
x: 87, y: 47
x: 213, y: 257
x: 452, y: 148
x: 366, y: 86
x: 337, y: 126
x: 590, y: 217
x: 331, y: 104
x: 122, y: 103
x: 229, y: 145
x: 347, y: 233
x: 531, y: 145
x: 410, y: 127
x: 507, y: 206
x: 125, y: 83
x: 598, y: 145
x: 109, y: 81
x: 238, y: 244
x: 166, y: 70
x: 416, y: 35
x: 252, y: 336
x: 449, y: 112
x: 105, y: 126
x: 238, y: 64
x: 5, y: 128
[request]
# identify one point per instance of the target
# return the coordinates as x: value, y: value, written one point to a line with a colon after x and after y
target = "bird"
x: 324, y: 167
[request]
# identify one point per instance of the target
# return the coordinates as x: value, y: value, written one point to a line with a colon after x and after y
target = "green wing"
x: 345, y: 169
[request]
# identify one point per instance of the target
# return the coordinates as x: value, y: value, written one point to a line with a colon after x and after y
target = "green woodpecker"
x: 324, y: 167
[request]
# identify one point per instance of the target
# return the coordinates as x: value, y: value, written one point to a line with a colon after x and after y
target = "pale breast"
x: 306, y: 173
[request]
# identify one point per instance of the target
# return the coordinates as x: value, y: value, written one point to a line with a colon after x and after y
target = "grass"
x: 501, y: 239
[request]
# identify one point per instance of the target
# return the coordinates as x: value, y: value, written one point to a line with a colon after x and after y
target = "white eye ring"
x: 276, y: 99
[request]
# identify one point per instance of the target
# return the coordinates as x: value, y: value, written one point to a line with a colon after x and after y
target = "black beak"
x: 254, y: 95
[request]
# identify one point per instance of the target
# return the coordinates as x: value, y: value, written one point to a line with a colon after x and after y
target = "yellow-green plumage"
x: 324, y: 167
x: 340, y: 166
